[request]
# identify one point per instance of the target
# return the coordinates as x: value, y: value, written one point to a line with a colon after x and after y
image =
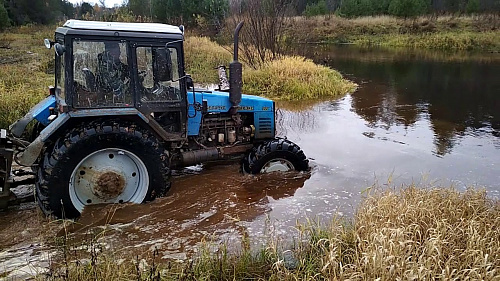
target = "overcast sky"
x: 108, y: 3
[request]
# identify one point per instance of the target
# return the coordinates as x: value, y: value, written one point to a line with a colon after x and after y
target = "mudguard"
x: 40, y: 112
x: 32, y: 151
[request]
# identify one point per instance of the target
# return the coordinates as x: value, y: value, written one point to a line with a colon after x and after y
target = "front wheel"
x: 277, y: 155
x: 99, y: 163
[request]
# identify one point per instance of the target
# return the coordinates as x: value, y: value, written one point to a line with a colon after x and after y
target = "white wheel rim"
x: 110, y: 175
x: 277, y: 165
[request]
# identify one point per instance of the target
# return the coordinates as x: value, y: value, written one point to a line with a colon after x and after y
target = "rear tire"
x: 275, y: 155
x: 101, y: 162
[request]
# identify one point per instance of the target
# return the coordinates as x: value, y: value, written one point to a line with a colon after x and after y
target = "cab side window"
x: 158, y: 74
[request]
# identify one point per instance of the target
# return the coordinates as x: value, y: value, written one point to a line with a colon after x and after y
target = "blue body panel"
x: 41, y: 111
x: 218, y: 102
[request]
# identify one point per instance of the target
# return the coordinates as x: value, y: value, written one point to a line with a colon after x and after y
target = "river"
x: 416, y: 118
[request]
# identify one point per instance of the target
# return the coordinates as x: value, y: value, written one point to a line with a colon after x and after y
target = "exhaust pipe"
x: 235, y: 75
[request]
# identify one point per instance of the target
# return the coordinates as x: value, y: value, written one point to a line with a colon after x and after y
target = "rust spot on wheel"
x: 109, y: 185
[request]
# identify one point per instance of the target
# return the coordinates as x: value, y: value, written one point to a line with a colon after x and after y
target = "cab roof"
x: 100, y: 28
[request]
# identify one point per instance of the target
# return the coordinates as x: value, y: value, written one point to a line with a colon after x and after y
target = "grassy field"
x: 26, y: 67
x: 478, y: 33
x: 407, y: 234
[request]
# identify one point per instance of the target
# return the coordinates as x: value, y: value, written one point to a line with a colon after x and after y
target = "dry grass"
x: 24, y: 68
x: 410, y: 234
x: 463, y: 41
x: 449, y: 33
x: 202, y: 58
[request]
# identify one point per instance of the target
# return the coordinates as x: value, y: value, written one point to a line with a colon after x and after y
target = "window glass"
x: 101, y: 75
x: 60, y: 75
x: 158, y: 71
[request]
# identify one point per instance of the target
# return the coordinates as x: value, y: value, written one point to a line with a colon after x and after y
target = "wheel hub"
x: 277, y: 165
x: 109, y: 185
x: 109, y: 175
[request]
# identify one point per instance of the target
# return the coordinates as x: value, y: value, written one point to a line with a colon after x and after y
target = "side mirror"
x: 162, y: 66
x: 60, y: 49
x: 189, y: 82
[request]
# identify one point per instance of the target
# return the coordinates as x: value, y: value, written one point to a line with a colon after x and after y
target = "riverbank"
x: 437, y: 233
x: 471, y: 33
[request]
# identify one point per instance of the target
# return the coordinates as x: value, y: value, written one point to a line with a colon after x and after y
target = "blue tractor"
x: 123, y: 113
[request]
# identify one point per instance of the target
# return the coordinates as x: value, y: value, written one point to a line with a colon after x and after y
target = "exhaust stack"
x: 235, y: 75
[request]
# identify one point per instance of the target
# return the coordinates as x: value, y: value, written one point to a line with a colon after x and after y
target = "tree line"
x: 399, y: 8
x: 199, y: 12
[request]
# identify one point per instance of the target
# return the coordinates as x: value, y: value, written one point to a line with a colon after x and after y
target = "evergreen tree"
x: 472, y: 7
x: 315, y: 9
x: 356, y: 8
x: 86, y: 8
x: 407, y: 8
x: 380, y: 7
x: 4, y: 17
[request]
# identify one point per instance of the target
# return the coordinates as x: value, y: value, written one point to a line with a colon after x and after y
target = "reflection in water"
x: 458, y: 98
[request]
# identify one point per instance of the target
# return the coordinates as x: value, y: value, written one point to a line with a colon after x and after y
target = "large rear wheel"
x: 277, y: 155
x: 98, y: 163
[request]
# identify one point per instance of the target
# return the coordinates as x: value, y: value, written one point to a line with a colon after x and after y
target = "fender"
x: 40, y: 112
x: 29, y: 156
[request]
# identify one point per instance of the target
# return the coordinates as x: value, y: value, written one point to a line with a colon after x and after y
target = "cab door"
x: 160, y: 91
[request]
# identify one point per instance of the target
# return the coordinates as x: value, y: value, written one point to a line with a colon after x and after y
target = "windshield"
x: 158, y: 72
x: 101, y: 76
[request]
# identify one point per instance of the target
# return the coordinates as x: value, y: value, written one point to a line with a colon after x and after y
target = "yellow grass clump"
x: 417, y: 234
x: 295, y: 78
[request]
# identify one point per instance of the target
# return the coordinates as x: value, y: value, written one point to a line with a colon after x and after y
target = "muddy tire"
x: 101, y: 162
x: 275, y: 155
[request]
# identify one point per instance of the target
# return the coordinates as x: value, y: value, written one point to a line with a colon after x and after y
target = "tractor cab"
x: 101, y: 65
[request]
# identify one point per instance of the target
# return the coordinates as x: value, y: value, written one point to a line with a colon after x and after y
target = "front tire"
x: 98, y: 163
x: 273, y: 156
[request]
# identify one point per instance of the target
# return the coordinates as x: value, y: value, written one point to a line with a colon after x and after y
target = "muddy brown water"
x: 429, y: 119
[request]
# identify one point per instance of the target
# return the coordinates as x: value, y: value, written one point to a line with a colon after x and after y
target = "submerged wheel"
x: 275, y: 155
x: 98, y: 163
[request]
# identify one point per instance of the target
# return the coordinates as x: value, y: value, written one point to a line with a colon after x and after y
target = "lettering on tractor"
x: 123, y: 113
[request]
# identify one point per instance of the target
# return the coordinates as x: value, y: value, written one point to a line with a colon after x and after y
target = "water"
x: 428, y: 119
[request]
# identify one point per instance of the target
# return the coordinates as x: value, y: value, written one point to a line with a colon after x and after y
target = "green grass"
x: 413, y: 233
